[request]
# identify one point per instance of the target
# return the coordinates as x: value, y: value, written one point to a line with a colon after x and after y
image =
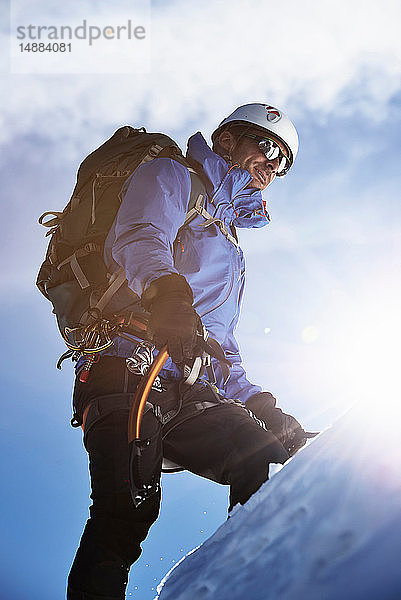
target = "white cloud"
x: 308, y: 55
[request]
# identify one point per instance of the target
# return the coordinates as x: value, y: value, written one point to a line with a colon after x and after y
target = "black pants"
x: 223, y: 443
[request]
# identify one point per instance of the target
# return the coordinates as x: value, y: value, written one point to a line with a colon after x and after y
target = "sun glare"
x: 367, y: 350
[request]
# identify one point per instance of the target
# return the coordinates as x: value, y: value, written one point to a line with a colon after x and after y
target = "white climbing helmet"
x: 268, y: 118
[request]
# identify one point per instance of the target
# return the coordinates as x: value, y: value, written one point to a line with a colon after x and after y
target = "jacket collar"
x: 226, y: 187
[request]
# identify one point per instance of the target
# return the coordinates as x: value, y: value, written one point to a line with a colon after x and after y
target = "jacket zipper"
x: 232, y: 271
x: 224, y: 299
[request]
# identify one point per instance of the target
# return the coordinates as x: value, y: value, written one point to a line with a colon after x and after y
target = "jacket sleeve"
x: 154, y: 206
x: 237, y: 386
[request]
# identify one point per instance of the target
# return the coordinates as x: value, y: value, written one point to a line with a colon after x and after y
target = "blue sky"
x: 320, y: 319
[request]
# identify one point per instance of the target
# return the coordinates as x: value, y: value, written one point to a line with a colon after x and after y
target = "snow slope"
x: 327, y: 526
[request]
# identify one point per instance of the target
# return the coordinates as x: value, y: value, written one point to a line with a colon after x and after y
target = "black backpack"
x: 73, y: 275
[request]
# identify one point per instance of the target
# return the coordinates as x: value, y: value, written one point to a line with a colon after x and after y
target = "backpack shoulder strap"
x: 198, y: 188
x: 196, y: 205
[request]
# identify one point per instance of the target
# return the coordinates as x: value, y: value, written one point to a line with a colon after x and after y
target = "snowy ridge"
x: 327, y: 526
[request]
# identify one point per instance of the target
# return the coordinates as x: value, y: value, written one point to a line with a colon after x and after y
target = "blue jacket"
x: 144, y: 241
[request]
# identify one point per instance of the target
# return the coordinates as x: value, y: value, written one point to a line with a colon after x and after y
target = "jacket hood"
x: 227, y: 187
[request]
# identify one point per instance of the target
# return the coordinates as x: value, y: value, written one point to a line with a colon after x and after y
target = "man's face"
x: 246, y: 152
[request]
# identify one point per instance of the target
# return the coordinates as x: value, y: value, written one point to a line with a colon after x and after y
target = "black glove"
x: 173, y: 320
x: 285, y: 427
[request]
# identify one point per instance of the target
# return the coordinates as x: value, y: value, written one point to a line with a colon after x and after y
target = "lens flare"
x: 366, y: 349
